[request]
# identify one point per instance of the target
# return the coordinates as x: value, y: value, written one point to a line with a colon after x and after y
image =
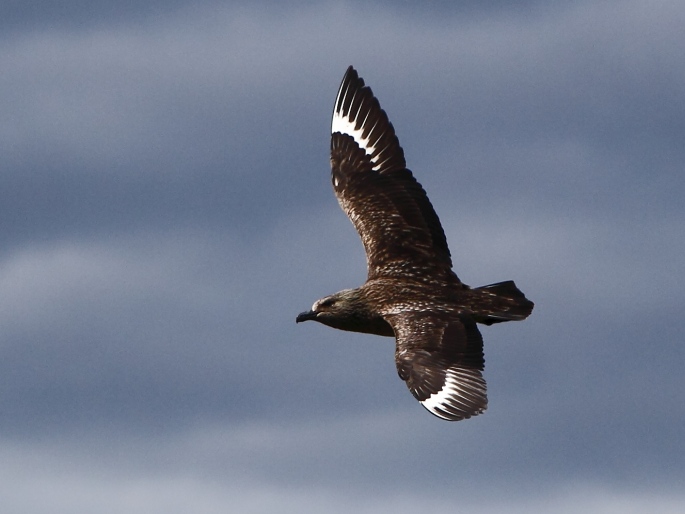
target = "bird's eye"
x: 327, y: 302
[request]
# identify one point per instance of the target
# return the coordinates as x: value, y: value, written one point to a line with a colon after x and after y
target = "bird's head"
x: 335, y: 309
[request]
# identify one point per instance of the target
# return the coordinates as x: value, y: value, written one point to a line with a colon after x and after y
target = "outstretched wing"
x: 398, y: 226
x: 440, y: 357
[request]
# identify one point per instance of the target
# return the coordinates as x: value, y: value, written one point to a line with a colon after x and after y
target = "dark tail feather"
x: 506, y: 303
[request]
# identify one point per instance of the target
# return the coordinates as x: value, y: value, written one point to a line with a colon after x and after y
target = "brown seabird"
x: 411, y: 292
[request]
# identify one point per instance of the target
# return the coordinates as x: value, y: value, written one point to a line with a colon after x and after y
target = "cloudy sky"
x: 166, y: 211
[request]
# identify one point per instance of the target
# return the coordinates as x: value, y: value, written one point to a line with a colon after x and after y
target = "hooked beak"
x: 305, y: 316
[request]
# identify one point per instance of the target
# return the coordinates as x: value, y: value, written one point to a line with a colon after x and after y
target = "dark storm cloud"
x: 20, y: 16
x: 102, y: 130
x: 97, y: 123
x: 167, y: 211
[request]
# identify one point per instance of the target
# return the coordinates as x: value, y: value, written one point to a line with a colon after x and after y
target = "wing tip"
x: 449, y: 416
x: 462, y: 396
x: 450, y: 412
x: 358, y: 113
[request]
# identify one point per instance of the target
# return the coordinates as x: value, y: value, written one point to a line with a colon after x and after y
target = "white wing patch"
x: 344, y: 125
x: 455, y: 393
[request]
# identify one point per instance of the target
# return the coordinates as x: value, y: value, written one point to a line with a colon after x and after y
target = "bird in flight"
x: 411, y: 292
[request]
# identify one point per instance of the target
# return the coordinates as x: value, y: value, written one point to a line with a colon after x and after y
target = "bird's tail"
x: 506, y: 303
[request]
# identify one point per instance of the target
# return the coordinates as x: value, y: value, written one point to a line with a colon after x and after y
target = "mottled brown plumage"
x: 411, y: 292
